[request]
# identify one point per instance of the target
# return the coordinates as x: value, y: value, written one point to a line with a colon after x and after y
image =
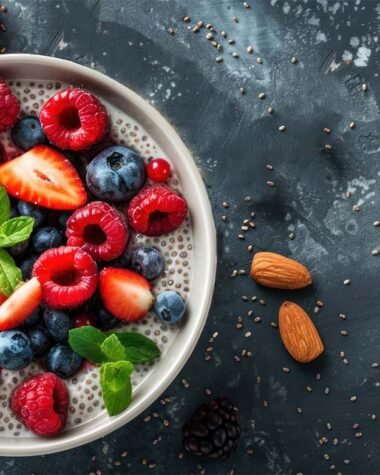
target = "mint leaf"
x: 10, y: 274
x: 5, y: 205
x: 15, y: 230
x: 87, y: 342
x: 138, y: 348
x: 115, y: 381
x: 112, y: 349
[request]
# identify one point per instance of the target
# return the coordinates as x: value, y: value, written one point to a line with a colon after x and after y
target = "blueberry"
x: 34, y: 319
x: 116, y: 174
x: 147, y: 261
x: 122, y: 261
x: 105, y: 320
x: 36, y: 212
x: 47, y: 237
x: 14, y: 210
x: 15, y: 350
x: 169, y: 306
x: 62, y: 219
x: 39, y: 341
x: 26, y: 265
x: 58, y: 324
x: 63, y: 361
x: 27, y: 133
x: 19, y: 249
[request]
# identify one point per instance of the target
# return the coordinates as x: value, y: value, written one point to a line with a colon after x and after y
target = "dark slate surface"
x: 232, y: 138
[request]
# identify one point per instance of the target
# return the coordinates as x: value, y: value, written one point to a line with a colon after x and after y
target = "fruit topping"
x: 58, y: 324
x: 32, y: 211
x: 116, y: 174
x: 63, y: 361
x: 15, y: 350
x: 98, y: 229
x: 212, y: 430
x: 156, y: 210
x: 125, y: 293
x: 27, y: 133
x: 9, y: 107
x: 159, y: 170
x: 68, y: 276
x: 46, y: 238
x: 44, y: 177
x: 74, y: 119
x: 169, y: 306
x: 41, y: 403
x: 83, y: 320
x: 147, y: 261
x: 40, y: 341
x: 20, y: 304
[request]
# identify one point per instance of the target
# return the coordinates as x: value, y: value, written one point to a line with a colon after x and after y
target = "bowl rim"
x: 39, y: 446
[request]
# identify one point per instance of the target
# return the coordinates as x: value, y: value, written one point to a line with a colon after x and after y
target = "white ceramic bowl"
x: 32, y: 67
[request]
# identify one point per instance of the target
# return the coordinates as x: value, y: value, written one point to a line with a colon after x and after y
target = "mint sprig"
x: 12, y: 231
x: 117, y: 353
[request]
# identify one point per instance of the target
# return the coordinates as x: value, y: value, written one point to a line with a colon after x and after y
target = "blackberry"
x: 212, y: 430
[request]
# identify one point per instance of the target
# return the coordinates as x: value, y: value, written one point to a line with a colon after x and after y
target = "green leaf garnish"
x: 16, y: 230
x: 10, y: 274
x: 113, y: 350
x: 5, y: 205
x: 115, y: 381
x: 87, y: 342
x: 138, y: 348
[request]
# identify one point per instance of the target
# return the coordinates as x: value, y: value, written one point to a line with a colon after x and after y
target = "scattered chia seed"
x: 318, y: 376
x: 270, y: 110
x: 316, y: 309
x: 309, y: 389
x: 347, y: 282
x: 259, y: 61
x: 253, y: 214
x: 346, y: 461
x: 225, y: 204
x: 219, y: 59
x: 335, y: 441
x: 208, y: 26
x: 355, y: 426
x: 299, y: 410
x: 248, y: 334
x: 327, y: 391
x: 270, y: 183
x: 242, y: 91
x: 342, y: 316
x: 231, y: 41
x: 286, y: 370
x: 364, y: 87
x: 352, y: 125
x: 262, y: 302
x: 246, y: 5
x: 239, y: 326
x: 219, y: 47
x: 274, y: 325
x: 375, y: 365
x: 320, y: 303
x: 209, y: 36
x: 257, y: 319
x: 251, y: 224
x: 328, y: 147
x: 250, y: 248
x: 170, y: 31
x: 328, y: 426
x: 265, y: 403
x: 262, y: 95
x: 291, y: 236
x: 327, y: 130
x: 247, y: 198
x: 235, y: 55
x: 241, y: 272
x: 196, y: 29
x: 375, y: 252
x: 356, y: 208
x: 344, y: 332
x: 241, y: 236
x: 224, y: 34
x: 373, y: 417
x: 186, y: 19
x: 294, y: 60
x: 237, y: 359
x: 353, y: 398
x: 326, y: 456
x: 376, y: 224
x: 269, y: 167
x: 341, y: 354
x: 244, y: 298
x: 282, y: 128
x: 358, y: 435
x: 235, y: 19
x: 244, y: 228
x: 249, y: 50
x: 254, y: 298
x: 250, y: 313
x: 234, y: 273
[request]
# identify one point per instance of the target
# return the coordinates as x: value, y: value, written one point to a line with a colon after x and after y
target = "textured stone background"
x: 232, y: 138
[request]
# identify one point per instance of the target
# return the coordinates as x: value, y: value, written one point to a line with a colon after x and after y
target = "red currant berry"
x: 158, y: 170
x: 83, y: 320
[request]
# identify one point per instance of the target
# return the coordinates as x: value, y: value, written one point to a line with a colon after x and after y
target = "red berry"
x: 41, y: 403
x: 20, y: 305
x: 125, y: 294
x: 43, y: 176
x: 9, y: 107
x: 98, y: 229
x: 158, y: 170
x: 68, y: 276
x: 156, y: 210
x: 83, y: 320
x: 74, y: 119
x: 3, y: 298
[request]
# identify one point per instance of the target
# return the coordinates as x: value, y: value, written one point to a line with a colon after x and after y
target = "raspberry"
x: 68, y: 276
x: 99, y: 230
x: 156, y: 210
x: 74, y: 119
x: 9, y: 107
x: 41, y: 403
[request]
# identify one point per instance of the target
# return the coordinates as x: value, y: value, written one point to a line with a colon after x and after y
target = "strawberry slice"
x: 44, y: 177
x: 3, y: 298
x: 125, y: 293
x: 22, y: 303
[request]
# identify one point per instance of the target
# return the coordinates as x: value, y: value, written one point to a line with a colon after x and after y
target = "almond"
x: 279, y: 272
x: 298, y: 333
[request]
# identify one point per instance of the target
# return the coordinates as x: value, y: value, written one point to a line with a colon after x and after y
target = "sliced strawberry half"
x: 125, y: 293
x: 3, y: 298
x: 22, y: 303
x: 44, y: 177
